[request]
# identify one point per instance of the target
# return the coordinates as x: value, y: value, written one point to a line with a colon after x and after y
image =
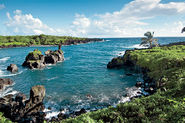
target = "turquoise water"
x: 82, y: 73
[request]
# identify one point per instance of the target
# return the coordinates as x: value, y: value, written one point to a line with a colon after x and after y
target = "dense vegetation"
x: 3, y: 119
x: 166, y: 65
x: 149, y: 40
x: 38, y: 40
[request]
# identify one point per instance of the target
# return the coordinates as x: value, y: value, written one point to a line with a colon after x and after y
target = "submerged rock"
x: 12, y: 68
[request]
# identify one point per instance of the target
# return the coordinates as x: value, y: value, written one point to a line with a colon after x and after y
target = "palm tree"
x: 149, y: 40
x: 183, y: 30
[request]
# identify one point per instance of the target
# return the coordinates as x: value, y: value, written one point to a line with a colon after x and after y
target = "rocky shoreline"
x: 163, y: 74
x: 149, y: 85
x: 69, y: 42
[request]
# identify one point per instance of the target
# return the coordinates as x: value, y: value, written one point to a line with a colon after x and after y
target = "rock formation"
x: 20, y: 110
x: 5, y: 82
x: 12, y: 68
x: 115, y: 62
x: 35, y: 59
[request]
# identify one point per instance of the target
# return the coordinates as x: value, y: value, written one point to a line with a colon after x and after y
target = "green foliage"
x: 3, y: 119
x: 149, y: 40
x: 34, y: 55
x: 37, y: 40
x: 166, y: 65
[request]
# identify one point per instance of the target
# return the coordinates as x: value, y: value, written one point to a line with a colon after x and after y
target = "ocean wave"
x: 68, y: 58
x: 138, y: 46
x: 5, y: 75
x: 49, y: 115
x: 131, y: 92
x: 4, y: 59
x: 7, y: 91
x: 53, y: 112
x: 119, y: 53
x: 52, y: 78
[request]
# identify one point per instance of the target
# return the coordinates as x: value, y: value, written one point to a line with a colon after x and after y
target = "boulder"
x: 5, y: 82
x: 12, y: 68
x: 20, y: 110
x: 37, y: 94
x: 47, y: 52
x: 35, y: 59
x: 20, y: 97
x: 116, y: 63
x: 51, y: 59
x: 138, y: 84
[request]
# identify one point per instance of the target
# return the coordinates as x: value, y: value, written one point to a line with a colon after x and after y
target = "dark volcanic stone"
x: 12, y: 68
x: 5, y: 82
x: 19, y: 110
x: 138, y: 84
x: 115, y: 63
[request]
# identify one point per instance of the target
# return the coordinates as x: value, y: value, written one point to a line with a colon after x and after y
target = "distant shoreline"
x: 14, y: 46
x: 42, y: 40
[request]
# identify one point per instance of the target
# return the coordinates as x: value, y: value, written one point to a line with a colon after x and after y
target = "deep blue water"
x: 82, y: 73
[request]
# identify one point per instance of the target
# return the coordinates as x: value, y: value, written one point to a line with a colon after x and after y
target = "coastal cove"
x: 82, y: 73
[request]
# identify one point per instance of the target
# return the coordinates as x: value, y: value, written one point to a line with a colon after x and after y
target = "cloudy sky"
x: 92, y: 18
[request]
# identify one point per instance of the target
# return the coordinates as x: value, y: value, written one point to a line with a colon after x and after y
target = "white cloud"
x: 18, y: 12
x: 2, y: 6
x: 27, y: 24
x: 131, y: 20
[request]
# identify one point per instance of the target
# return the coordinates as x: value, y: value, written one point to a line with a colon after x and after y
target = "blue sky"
x: 92, y: 18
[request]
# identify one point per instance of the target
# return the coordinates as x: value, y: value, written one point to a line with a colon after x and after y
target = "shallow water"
x: 82, y: 80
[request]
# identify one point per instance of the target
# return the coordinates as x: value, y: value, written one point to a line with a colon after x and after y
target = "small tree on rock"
x: 183, y: 30
x: 149, y: 40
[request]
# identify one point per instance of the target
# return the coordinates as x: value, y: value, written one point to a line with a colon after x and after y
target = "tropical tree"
x: 183, y: 30
x: 149, y: 40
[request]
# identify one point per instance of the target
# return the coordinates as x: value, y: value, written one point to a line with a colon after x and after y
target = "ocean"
x: 82, y: 80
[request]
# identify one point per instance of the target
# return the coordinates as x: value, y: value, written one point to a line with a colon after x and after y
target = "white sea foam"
x: 131, y: 92
x: 53, y: 112
x: 68, y: 58
x: 49, y: 115
x: 124, y: 99
x: 4, y: 59
x: 120, y: 53
x: 52, y: 78
x: 136, y: 46
x: 1, y: 72
x: 7, y: 91
x: 6, y: 75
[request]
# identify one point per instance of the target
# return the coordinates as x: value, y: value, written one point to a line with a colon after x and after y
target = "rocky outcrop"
x: 12, y: 68
x: 20, y: 110
x: 127, y: 61
x: 115, y: 63
x: 35, y: 59
x: 52, y: 57
x: 4, y: 82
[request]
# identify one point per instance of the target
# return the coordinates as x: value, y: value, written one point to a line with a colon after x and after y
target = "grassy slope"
x: 167, y: 66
